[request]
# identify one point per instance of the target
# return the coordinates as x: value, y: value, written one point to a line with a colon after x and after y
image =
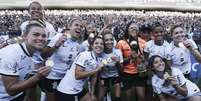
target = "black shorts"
x: 70, y: 97
x: 130, y: 80
x: 19, y: 98
x: 49, y: 85
x: 112, y: 80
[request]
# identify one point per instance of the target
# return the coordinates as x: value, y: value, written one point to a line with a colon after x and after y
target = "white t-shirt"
x: 63, y: 57
x: 153, y: 49
x: 49, y: 29
x: 180, y: 57
x: 3, y: 38
x: 84, y: 46
x: 69, y: 85
x: 159, y: 88
x: 37, y: 59
x: 14, y: 62
x: 111, y: 68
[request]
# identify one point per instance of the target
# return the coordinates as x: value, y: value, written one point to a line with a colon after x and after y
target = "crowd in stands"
x: 10, y: 20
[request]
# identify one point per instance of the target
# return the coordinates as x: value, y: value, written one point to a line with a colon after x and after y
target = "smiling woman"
x: 14, y: 78
x: 87, y: 64
x: 170, y: 84
x: 62, y: 51
x: 180, y: 56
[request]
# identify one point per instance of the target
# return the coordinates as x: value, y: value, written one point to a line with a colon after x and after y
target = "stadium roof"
x: 143, y: 4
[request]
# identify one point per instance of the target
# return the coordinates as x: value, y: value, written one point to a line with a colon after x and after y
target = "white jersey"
x: 159, y: 88
x: 14, y: 62
x: 84, y: 46
x: 50, y: 31
x: 3, y: 38
x: 153, y: 49
x: 180, y: 57
x: 37, y: 59
x: 63, y: 57
x: 111, y: 68
x: 69, y: 85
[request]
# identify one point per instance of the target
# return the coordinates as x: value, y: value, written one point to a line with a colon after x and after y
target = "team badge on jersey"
x: 88, y: 63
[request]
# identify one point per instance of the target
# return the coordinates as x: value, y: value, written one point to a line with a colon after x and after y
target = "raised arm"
x: 49, y: 50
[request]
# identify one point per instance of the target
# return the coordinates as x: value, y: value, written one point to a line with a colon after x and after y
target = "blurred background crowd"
x: 10, y: 20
